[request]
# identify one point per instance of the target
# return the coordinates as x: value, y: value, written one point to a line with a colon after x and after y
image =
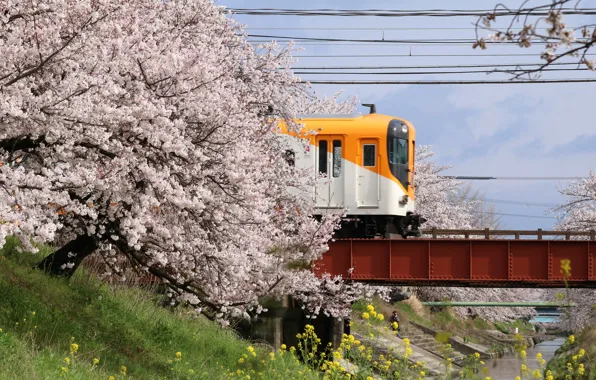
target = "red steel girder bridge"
x: 484, y: 262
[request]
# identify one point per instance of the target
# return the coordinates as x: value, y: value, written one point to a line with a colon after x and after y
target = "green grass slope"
x: 121, y: 329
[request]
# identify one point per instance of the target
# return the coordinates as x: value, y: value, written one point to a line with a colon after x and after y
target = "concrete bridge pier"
x: 284, y: 319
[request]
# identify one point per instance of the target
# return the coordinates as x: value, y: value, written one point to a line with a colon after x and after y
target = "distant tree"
x: 437, y: 197
x: 306, y: 102
x: 578, y: 213
x: 484, y: 214
x: 526, y: 27
x: 453, y: 204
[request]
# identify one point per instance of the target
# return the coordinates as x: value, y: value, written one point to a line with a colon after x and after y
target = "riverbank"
x: 447, y: 343
x: 577, y: 355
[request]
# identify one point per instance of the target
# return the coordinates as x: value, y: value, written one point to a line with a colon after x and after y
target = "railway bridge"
x: 482, y: 258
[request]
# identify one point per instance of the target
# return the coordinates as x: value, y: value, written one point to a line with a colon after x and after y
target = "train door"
x: 330, y: 167
x: 368, y: 187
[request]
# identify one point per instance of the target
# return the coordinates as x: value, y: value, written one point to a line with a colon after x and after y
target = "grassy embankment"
x: 577, y: 357
x: 121, y: 329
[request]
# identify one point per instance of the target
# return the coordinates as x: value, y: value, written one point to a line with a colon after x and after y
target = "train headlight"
x: 404, y: 128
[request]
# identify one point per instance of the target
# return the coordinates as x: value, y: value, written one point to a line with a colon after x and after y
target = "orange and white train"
x: 367, y: 167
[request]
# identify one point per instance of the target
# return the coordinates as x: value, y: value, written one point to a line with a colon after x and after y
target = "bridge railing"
x: 487, y: 233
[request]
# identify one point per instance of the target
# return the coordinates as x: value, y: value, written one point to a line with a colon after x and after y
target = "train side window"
x: 369, y: 155
x: 336, y: 158
x: 323, y: 156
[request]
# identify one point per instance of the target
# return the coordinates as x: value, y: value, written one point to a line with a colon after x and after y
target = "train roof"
x: 348, y: 117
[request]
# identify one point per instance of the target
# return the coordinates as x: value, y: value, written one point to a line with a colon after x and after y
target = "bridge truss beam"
x: 461, y: 262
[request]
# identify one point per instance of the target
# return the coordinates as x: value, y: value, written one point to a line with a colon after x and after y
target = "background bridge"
x: 498, y: 262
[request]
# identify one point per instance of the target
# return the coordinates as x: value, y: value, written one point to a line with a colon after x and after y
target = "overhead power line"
x: 418, y: 55
x: 425, y: 72
x: 515, y: 215
x: 427, y: 66
x: 375, y: 28
x: 437, y: 82
x: 520, y: 203
x: 440, y: 41
x: 405, y: 13
x: 483, y: 178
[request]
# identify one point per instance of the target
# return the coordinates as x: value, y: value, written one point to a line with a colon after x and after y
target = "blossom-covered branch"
x: 560, y: 40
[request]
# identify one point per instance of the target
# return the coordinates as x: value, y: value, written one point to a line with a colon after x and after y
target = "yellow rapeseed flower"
x: 365, y: 315
x: 370, y: 307
x: 178, y: 354
x: 571, y: 338
x: 380, y: 317
x: 67, y: 360
x: 566, y: 268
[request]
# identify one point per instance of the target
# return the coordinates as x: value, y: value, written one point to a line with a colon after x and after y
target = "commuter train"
x: 365, y: 165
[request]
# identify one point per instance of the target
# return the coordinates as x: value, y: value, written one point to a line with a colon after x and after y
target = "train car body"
x: 363, y: 164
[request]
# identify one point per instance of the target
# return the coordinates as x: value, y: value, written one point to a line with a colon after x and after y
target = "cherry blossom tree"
x: 144, y: 128
x: 449, y: 204
x: 542, y: 23
x: 578, y: 213
x: 436, y: 196
x: 307, y: 102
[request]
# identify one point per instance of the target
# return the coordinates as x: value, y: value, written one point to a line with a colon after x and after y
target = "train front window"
x: 398, y: 138
x: 398, y: 151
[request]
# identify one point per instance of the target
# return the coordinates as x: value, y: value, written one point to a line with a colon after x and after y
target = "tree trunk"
x: 66, y: 260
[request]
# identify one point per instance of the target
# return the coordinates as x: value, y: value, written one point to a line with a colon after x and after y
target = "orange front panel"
x: 490, y: 260
x: 576, y: 252
x: 370, y: 259
x: 529, y: 260
x: 450, y: 259
x: 409, y: 259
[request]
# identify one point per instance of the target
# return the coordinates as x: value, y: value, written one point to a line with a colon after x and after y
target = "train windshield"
x: 398, y: 151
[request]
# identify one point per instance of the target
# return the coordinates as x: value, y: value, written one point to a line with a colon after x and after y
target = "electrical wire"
x: 515, y: 215
x: 520, y: 203
x: 419, y: 55
x: 377, y: 28
x: 407, y: 13
x: 441, y: 41
x: 435, y: 82
x: 426, y: 72
x: 428, y: 67
x: 482, y: 178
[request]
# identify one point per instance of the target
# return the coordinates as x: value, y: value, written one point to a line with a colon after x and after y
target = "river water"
x: 508, y: 367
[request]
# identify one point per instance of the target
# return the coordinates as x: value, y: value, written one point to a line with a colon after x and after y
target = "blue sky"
x: 481, y: 130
